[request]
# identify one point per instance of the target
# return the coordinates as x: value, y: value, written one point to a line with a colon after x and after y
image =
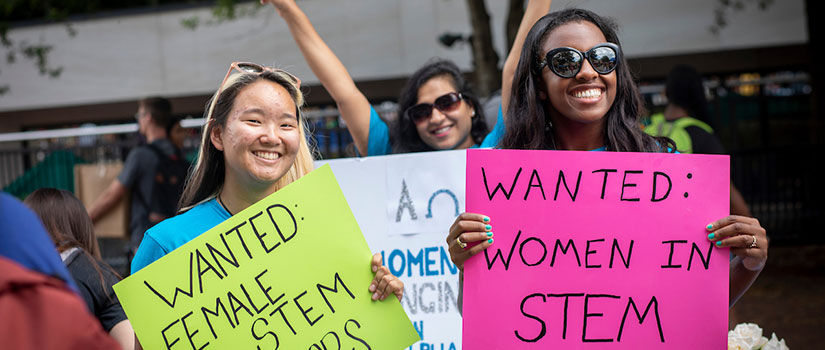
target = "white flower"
x: 746, y: 336
x: 775, y: 344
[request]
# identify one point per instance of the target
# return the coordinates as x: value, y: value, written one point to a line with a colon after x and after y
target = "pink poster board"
x: 593, y: 242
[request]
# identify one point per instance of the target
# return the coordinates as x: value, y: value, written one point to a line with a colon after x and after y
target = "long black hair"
x: 528, y: 124
x: 684, y: 88
x: 404, y: 135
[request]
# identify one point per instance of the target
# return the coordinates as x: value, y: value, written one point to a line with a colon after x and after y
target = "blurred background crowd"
x: 72, y: 73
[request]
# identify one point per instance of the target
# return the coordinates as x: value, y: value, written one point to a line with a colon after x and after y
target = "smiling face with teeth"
x: 444, y: 130
x: 585, y: 98
x: 260, y: 138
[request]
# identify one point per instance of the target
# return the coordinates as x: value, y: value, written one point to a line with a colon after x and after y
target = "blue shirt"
x: 379, y: 135
x: 176, y: 231
x: 24, y: 240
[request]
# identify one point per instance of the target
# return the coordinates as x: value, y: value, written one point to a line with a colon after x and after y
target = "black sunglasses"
x: 423, y: 111
x: 566, y: 62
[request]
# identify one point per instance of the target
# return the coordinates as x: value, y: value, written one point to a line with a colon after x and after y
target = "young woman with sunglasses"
x: 253, y: 144
x: 573, y: 91
x: 437, y: 108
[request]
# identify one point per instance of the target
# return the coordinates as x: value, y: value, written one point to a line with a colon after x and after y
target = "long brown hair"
x: 65, y: 219
x: 69, y: 226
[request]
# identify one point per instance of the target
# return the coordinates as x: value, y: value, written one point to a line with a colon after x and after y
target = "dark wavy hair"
x: 684, y: 88
x: 528, y: 116
x: 404, y: 135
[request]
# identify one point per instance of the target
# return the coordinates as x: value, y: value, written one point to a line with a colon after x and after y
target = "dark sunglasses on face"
x: 445, y: 103
x: 566, y: 62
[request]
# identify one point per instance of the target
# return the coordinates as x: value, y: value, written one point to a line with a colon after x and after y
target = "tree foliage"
x: 725, y: 8
x: 21, y: 12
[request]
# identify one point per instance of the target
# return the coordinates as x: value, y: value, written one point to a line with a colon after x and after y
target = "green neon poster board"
x: 290, y: 272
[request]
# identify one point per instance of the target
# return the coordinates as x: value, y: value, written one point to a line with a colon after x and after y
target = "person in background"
x: 140, y: 171
x: 176, y: 132
x: 72, y: 232
x: 437, y: 108
x: 38, y: 302
x: 686, y: 120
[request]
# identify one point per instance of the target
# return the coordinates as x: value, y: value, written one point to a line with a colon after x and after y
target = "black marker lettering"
x: 669, y: 186
x: 587, y: 253
x: 564, y: 251
x: 705, y: 258
x: 670, y: 264
x: 362, y: 341
x: 530, y: 186
x: 625, y: 184
x: 321, y: 288
x: 498, y: 254
x: 564, y: 181
x: 218, y: 307
x: 655, y: 304
x: 616, y: 248
x: 566, y: 297
x: 604, y: 182
x: 589, y: 315
x: 543, y: 330
x: 175, y: 296
x: 499, y: 186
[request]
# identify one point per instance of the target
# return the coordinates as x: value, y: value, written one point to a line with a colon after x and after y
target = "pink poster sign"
x: 597, y: 250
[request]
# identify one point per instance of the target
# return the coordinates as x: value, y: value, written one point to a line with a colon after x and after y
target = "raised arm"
x: 352, y: 104
x: 535, y: 10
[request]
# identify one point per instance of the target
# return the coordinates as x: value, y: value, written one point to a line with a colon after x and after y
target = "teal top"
x: 176, y: 231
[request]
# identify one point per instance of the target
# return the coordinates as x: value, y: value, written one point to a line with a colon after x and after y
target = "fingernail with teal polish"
x: 709, y: 226
x: 488, y: 227
x: 489, y: 234
x: 490, y: 240
x: 486, y: 219
x: 710, y: 236
x: 719, y: 243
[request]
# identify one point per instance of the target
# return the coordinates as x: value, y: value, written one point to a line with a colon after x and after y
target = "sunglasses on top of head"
x: 254, y: 68
x: 444, y: 103
x: 566, y: 62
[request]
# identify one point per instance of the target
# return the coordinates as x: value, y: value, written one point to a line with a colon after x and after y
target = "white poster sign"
x: 405, y: 205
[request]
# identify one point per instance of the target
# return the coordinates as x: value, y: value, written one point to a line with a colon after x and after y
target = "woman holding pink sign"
x: 254, y: 143
x: 572, y: 90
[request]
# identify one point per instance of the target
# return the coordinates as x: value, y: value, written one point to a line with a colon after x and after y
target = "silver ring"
x: 753, y: 244
x: 460, y: 243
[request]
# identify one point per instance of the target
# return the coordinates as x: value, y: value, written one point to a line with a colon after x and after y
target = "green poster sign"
x: 290, y: 272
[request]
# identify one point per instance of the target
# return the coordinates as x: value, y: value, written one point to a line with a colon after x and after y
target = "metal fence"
x: 766, y: 131
x: 47, y: 158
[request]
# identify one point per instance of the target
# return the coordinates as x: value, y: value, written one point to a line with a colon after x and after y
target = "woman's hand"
x: 468, y: 228
x: 746, y: 238
x: 384, y: 283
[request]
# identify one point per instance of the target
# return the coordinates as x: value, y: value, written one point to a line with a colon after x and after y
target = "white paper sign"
x: 413, y: 246
x: 429, y: 198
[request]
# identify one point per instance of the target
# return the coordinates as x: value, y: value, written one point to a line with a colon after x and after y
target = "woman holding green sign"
x: 573, y: 90
x: 254, y: 143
